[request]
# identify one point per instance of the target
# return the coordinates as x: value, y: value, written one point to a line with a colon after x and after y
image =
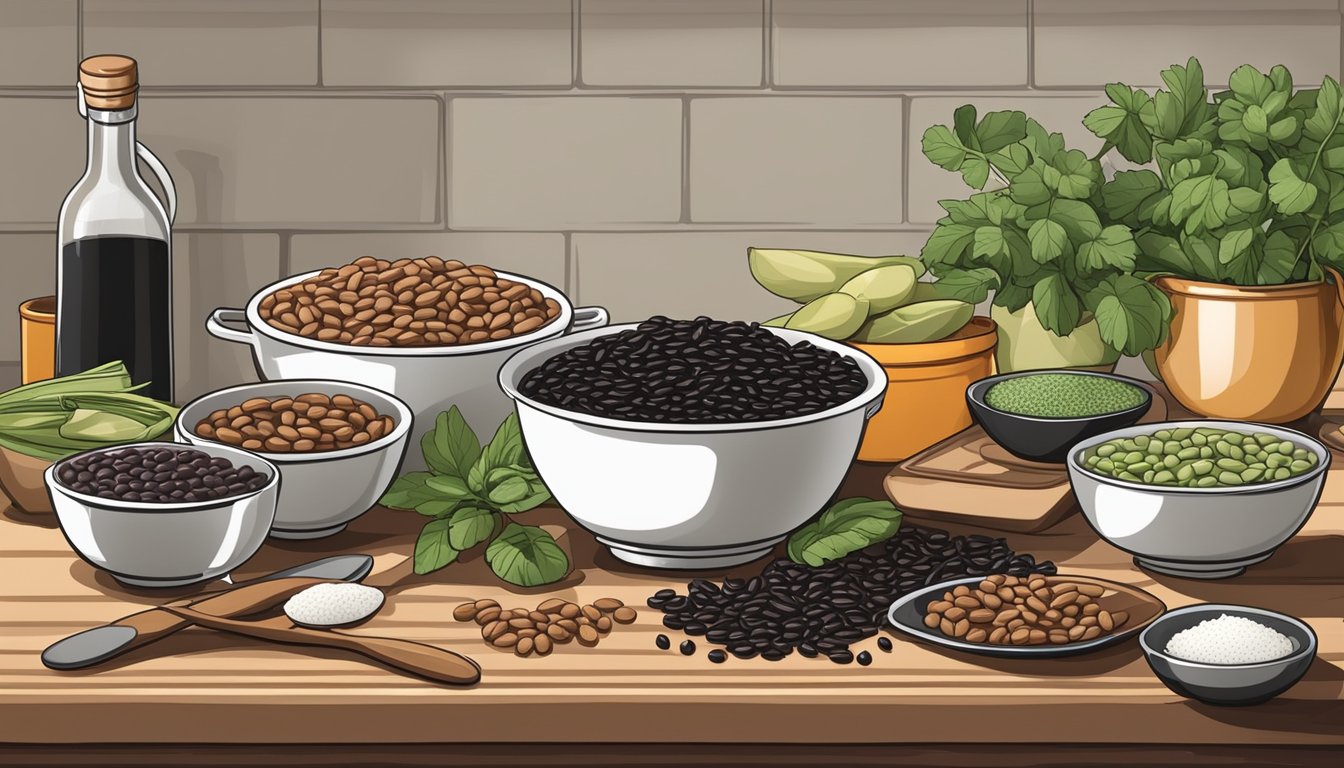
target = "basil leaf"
x: 469, y: 526
x: 449, y: 487
x: 433, y: 550
x: 526, y: 556
x: 451, y: 448
x: 505, y: 485
x: 505, y: 448
x: 848, y: 526
x: 436, y: 507
x: 408, y: 491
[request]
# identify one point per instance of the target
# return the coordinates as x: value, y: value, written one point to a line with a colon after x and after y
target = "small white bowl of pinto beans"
x: 338, y: 445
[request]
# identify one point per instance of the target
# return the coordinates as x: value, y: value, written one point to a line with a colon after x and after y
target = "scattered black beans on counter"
x: 158, y: 475
x: 695, y: 372
x: 687, y: 647
x: 662, y: 642
x: 865, y: 658
x: 718, y: 656
x: 821, y: 611
x: 884, y: 644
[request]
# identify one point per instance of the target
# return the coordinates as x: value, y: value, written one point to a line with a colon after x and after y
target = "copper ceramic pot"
x: 1256, y: 353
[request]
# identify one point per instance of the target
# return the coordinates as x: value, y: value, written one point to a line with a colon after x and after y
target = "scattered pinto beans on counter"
x: 307, y: 423
x: 1012, y: 610
x: 553, y: 622
x: 408, y: 303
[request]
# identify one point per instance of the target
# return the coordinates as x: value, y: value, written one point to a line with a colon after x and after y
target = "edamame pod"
x: 916, y: 323
x: 778, y: 322
x: 806, y: 275
x: 836, y: 316
x: 885, y: 288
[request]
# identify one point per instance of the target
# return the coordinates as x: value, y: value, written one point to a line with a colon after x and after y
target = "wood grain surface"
x: 205, y: 687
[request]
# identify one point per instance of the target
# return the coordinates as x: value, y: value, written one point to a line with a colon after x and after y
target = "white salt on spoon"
x: 325, y: 606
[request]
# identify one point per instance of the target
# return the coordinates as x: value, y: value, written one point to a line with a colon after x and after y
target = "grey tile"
x: 299, y: 162
x: 802, y: 160
x: 38, y: 42
x: 1081, y: 43
x: 900, y: 43
x: 447, y: 42
x: 928, y: 183
x: 671, y: 42
x: 563, y: 162
x: 685, y: 274
x: 535, y: 254
x: 212, y: 271
x: 209, y: 42
x: 42, y: 149
x: 30, y: 271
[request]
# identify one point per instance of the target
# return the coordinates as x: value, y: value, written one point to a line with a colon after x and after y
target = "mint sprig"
x: 470, y: 491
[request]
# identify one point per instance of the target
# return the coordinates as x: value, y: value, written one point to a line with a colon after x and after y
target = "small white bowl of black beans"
x: 164, y: 514
x: 692, y: 443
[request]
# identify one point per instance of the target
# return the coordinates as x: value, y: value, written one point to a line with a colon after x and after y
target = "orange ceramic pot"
x: 1255, y: 353
x: 926, y: 390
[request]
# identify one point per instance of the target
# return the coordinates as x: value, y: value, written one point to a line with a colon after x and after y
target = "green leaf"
x: 1012, y: 296
x: 505, y: 448
x: 1249, y: 85
x: 988, y: 242
x: 1122, y: 125
x: 1234, y: 244
x: 506, y: 485
x: 1280, y: 257
x: 963, y: 122
x: 1240, y: 167
x: 1131, y: 313
x: 999, y: 129
x: 1011, y: 160
x: 1182, y: 110
x: 1201, y: 202
x: 1030, y: 187
x: 1078, y: 219
x: 1202, y: 250
x: 470, y: 526
x: 943, y: 148
x: 1048, y: 240
x: 409, y: 491
x: 526, y: 556
x: 433, y: 549
x: 1288, y: 191
x: 1329, y: 112
x: 451, y: 447
x: 947, y: 243
x: 1078, y: 176
x: 1056, y: 304
x: 1124, y: 194
x: 848, y: 526
x: 969, y: 285
x: 1114, y: 247
x: 449, y: 487
x: 1159, y: 253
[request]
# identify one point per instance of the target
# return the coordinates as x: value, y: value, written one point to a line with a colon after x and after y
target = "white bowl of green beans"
x: 1199, y: 499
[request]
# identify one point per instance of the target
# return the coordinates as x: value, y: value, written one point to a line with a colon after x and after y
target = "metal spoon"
x: 100, y: 644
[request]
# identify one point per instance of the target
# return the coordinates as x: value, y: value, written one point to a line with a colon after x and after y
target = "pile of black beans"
x: 695, y: 372
x: 821, y: 611
x: 158, y: 475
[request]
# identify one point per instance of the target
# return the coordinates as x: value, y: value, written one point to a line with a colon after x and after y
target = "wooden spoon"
x: 420, y: 659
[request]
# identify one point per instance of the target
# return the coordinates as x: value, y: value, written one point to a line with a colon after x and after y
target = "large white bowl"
x: 167, y: 545
x: 428, y: 379
x: 1200, y: 533
x: 690, y: 495
x: 323, y: 491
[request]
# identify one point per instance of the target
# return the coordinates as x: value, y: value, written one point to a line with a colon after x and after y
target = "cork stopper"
x: 110, y: 81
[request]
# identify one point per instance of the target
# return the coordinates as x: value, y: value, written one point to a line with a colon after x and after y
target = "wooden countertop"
x: 201, y: 687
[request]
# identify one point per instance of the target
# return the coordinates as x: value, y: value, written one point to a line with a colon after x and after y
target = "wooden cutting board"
x: 970, y: 479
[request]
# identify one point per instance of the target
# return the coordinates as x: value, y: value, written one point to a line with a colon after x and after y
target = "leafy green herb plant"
x: 1249, y: 185
x: 847, y: 526
x: 471, y: 492
x: 1040, y: 236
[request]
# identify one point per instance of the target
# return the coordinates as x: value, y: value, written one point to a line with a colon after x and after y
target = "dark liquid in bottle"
x: 115, y: 303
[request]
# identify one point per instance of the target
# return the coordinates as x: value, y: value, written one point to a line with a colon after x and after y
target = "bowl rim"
x: 405, y: 419
x: 523, y: 361
x: 556, y: 327
x: 1307, y: 649
x: 1075, y: 458
x: 147, y: 507
x: 977, y: 390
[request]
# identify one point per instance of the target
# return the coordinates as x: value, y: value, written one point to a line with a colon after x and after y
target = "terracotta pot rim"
x: 36, y: 309
x: 975, y: 338
x: 1208, y: 290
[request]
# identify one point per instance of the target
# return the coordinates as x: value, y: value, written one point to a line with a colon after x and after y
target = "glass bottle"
x: 114, y: 264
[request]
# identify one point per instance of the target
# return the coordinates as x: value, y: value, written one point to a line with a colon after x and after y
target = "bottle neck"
x: 112, y: 145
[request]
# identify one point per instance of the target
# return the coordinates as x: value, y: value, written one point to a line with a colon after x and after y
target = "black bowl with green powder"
x: 1040, y: 415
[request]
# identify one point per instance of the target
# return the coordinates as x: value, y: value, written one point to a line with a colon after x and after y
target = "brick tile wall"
x: 626, y: 150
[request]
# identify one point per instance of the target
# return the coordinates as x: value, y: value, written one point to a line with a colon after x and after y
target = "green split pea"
x: 1063, y: 396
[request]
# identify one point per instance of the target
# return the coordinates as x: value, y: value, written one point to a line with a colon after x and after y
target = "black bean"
x: 864, y: 658
x: 687, y: 647
x: 717, y: 656
x: 662, y: 642
x: 157, y: 476
x: 821, y: 611
x: 695, y: 371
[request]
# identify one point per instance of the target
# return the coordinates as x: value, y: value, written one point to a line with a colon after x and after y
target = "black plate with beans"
x: 158, y: 474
